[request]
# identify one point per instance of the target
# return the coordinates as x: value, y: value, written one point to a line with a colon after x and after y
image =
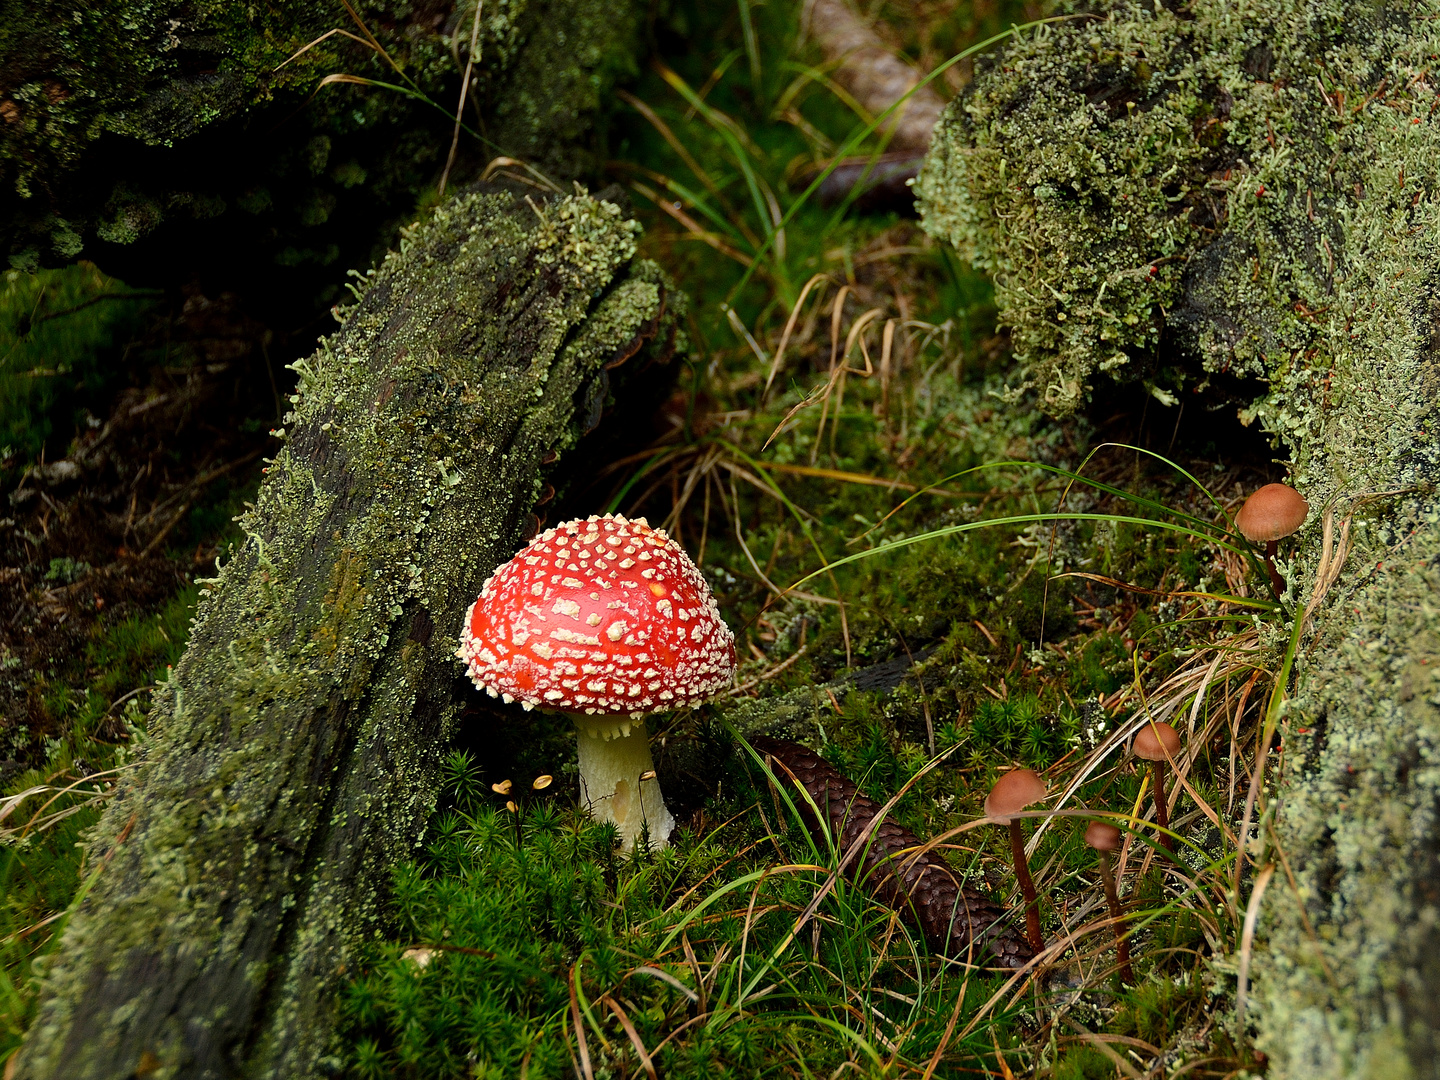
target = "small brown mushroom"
x: 1156, y: 742
x: 1105, y: 838
x: 1268, y: 516
x: 1013, y: 792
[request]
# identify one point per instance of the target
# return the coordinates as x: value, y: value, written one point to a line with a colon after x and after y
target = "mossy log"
x: 168, y: 138
x: 1239, y: 201
x: 297, y: 744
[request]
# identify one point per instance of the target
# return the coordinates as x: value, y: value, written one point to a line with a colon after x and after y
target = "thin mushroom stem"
x: 1112, y: 900
x: 1027, y: 887
x: 1162, y: 809
x: 1272, y: 547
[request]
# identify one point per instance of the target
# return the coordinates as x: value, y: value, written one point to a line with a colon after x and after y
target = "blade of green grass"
x: 1014, y: 519
x: 1075, y: 476
x: 727, y: 129
x: 752, y: 45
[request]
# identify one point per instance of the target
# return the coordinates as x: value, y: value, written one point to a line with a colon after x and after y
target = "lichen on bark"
x: 296, y: 745
x: 1236, y: 202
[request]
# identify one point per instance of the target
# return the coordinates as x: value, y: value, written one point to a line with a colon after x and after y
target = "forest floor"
x: 843, y: 400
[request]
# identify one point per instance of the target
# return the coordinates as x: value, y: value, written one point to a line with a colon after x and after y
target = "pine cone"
x: 956, y: 920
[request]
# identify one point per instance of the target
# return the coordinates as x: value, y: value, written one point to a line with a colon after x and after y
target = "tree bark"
x: 296, y: 745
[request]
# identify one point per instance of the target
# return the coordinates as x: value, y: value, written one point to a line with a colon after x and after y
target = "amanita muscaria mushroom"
x: 1013, y: 792
x: 1156, y: 742
x: 1268, y: 516
x: 1105, y: 839
x: 605, y: 620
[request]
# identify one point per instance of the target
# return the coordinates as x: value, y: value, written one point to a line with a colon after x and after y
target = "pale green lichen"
x: 1068, y: 204
x: 1277, y: 165
x: 1359, y: 826
x: 1160, y: 194
x: 298, y: 740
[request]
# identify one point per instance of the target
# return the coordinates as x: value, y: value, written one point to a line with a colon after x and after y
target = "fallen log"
x: 262, y: 148
x: 296, y: 745
x: 877, y: 78
x: 869, y: 69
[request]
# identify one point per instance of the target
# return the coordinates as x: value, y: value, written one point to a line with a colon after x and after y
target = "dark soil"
x: 139, y: 505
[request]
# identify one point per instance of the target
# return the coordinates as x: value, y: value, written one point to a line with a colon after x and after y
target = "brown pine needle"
x: 464, y: 93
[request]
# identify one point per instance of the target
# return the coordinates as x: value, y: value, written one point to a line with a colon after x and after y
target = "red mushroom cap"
x: 1102, y: 836
x: 1156, y: 742
x: 1272, y: 513
x: 601, y: 615
x: 1013, y: 792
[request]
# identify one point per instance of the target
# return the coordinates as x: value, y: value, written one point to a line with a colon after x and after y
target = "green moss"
x: 503, y: 914
x: 1083, y: 1063
x: 547, y: 103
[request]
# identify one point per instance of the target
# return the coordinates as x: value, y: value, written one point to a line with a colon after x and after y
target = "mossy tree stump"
x: 296, y: 746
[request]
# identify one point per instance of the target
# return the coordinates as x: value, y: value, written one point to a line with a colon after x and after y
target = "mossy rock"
x: 165, y: 138
x: 297, y: 744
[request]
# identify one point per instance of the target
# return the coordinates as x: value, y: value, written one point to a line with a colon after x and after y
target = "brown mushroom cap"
x: 1103, y: 836
x: 1012, y: 793
x: 1156, y: 742
x: 1273, y: 512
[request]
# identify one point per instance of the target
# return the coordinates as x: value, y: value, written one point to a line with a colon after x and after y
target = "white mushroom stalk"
x: 617, y: 779
x: 605, y: 620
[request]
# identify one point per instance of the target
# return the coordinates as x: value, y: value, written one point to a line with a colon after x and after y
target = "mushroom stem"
x: 1112, y: 900
x: 1272, y: 547
x: 1162, y: 809
x: 1027, y: 887
x: 614, y: 755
